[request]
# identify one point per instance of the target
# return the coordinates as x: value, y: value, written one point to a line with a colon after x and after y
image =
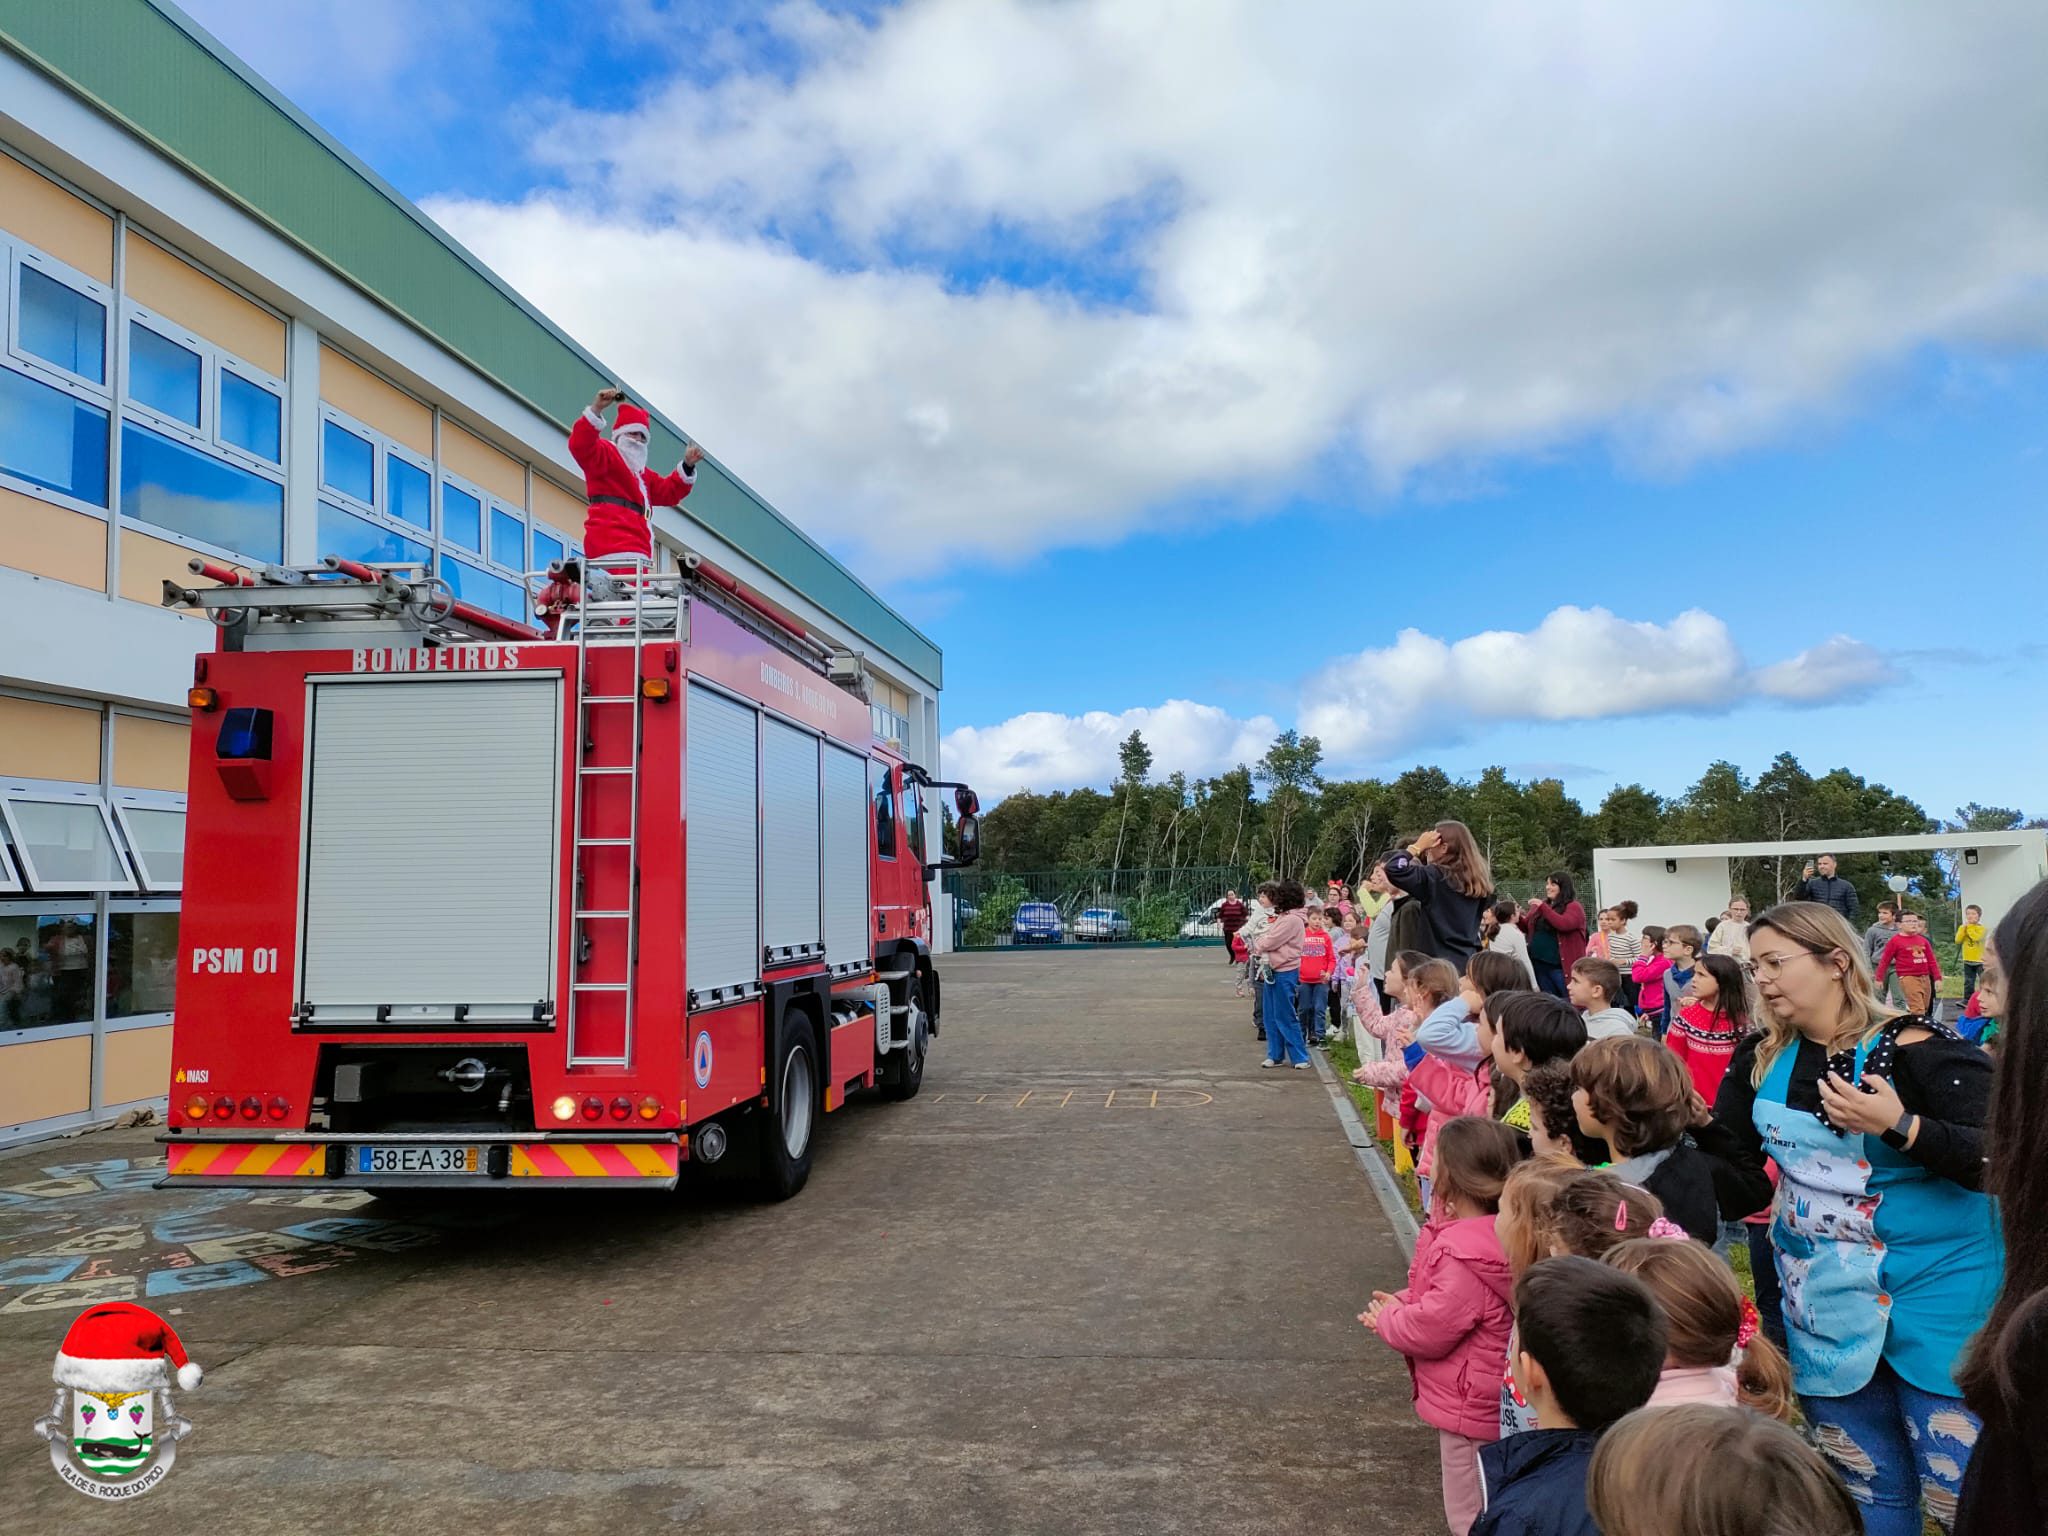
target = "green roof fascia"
x: 159, y: 74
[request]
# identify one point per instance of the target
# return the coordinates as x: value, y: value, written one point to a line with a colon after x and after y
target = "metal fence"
x: 1004, y: 909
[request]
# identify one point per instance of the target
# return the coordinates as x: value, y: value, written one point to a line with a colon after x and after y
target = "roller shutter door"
x: 722, y: 829
x: 789, y: 839
x: 848, y: 914
x: 432, y: 824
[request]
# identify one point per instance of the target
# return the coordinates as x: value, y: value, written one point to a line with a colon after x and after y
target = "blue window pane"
x: 502, y: 597
x: 62, y: 326
x: 49, y: 439
x: 357, y: 538
x: 508, y: 539
x: 462, y: 518
x: 250, y: 417
x: 546, y: 550
x: 163, y: 375
x: 348, y: 463
x: 183, y: 490
x: 410, y: 492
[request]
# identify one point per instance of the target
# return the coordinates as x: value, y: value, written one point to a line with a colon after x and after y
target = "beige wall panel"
x: 151, y: 754
x: 45, y: 215
x: 49, y: 741
x: 474, y: 459
x: 52, y: 541
x: 147, y: 563
x: 559, y: 509
x: 42, y: 1078
x: 349, y: 387
x: 138, y: 1065
x: 160, y: 281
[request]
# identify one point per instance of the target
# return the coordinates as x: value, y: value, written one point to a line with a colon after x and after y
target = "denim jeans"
x: 1549, y: 978
x: 1970, y: 974
x: 1894, y: 1445
x: 1311, y: 1003
x: 1763, y: 1273
x: 1283, y: 1031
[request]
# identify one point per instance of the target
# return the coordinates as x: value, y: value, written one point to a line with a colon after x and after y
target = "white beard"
x: 633, y: 449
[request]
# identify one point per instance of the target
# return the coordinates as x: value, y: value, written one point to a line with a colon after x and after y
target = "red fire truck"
x: 468, y: 905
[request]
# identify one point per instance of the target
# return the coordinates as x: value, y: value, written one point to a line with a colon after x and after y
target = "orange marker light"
x: 202, y: 699
x: 655, y: 688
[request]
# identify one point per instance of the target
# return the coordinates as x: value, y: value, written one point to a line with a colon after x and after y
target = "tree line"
x: 1282, y: 816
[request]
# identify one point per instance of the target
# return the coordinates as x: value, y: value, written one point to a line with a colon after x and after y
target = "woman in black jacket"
x: 1446, y: 874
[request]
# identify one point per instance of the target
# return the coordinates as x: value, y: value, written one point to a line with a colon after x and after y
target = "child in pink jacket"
x: 1453, y: 1320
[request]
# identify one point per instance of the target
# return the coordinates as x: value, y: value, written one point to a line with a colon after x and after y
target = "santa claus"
x: 621, y: 489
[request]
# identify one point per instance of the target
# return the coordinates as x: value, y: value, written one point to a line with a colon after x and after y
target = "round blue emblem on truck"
x: 700, y: 1058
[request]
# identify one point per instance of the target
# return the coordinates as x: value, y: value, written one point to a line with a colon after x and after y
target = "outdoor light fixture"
x: 1671, y: 866
x: 1969, y: 855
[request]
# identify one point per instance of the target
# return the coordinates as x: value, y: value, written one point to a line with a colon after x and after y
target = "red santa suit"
x: 621, y: 497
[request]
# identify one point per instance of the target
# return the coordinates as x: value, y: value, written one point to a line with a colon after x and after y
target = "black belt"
x: 617, y: 501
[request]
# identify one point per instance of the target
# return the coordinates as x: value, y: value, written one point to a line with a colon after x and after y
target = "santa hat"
x: 630, y: 415
x: 120, y: 1347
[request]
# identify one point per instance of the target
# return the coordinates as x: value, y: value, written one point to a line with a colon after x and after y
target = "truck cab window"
x: 885, y: 817
x: 913, y: 820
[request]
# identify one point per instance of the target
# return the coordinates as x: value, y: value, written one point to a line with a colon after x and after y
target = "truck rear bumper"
x: 303, y: 1159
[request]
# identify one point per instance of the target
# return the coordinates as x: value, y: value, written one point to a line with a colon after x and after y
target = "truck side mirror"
x: 967, y: 802
x: 970, y: 838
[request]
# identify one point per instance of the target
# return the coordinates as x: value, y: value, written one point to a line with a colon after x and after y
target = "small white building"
x: 1689, y: 883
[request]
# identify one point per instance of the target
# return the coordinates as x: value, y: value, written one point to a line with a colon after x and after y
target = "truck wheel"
x: 792, y: 1119
x: 906, y: 1067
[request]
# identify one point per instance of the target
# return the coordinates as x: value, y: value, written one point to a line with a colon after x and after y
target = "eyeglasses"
x: 1767, y: 966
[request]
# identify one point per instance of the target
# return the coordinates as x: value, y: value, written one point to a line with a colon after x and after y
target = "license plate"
x: 415, y: 1159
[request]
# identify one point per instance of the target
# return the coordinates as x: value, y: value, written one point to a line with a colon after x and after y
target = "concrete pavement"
x: 1102, y: 1275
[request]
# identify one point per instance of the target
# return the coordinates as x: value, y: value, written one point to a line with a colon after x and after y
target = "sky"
x: 1593, y: 389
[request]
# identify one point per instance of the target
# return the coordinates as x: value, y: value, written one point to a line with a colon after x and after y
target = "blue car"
x: 1037, y: 922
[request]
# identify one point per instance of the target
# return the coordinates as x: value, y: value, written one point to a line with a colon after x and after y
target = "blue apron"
x: 1878, y: 1258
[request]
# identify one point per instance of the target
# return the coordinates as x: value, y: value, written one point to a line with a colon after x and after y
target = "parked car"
x: 1205, y: 924
x: 1101, y: 925
x: 1037, y: 922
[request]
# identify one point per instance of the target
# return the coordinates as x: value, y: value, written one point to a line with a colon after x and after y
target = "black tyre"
x: 904, y: 1074
x: 786, y: 1131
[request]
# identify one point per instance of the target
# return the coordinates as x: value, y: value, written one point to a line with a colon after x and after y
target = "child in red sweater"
x: 1911, y: 955
x: 1711, y: 1022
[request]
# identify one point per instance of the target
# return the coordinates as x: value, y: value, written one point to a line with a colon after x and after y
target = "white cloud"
x: 1047, y: 751
x: 1422, y: 691
x: 1428, y: 236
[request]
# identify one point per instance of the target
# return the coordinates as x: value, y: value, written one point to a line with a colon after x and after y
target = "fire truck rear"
x: 467, y: 905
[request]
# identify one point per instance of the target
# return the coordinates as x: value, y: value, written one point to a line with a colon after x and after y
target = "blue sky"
x: 1180, y: 404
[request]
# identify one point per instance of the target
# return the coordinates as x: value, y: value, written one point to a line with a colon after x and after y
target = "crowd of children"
x: 1595, y: 1126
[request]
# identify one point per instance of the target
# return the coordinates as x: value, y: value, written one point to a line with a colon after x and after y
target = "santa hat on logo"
x: 120, y: 1347
x: 630, y: 415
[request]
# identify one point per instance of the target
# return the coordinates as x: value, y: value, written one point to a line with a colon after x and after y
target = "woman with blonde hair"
x: 1446, y: 874
x: 1887, y: 1249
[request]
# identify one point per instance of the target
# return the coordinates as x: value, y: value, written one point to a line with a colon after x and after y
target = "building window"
x: 52, y: 440
x: 462, y: 517
x: 508, y: 538
x: 348, y: 463
x: 164, y: 376
x: 251, y: 417
x: 477, y: 586
x: 64, y: 840
x: 352, y: 537
x: 142, y: 962
x: 198, y: 497
x: 46, y: 968
x: 154, y: 827
x: 547, y: 549
x: 409, y: 492
x: 61, y: 325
